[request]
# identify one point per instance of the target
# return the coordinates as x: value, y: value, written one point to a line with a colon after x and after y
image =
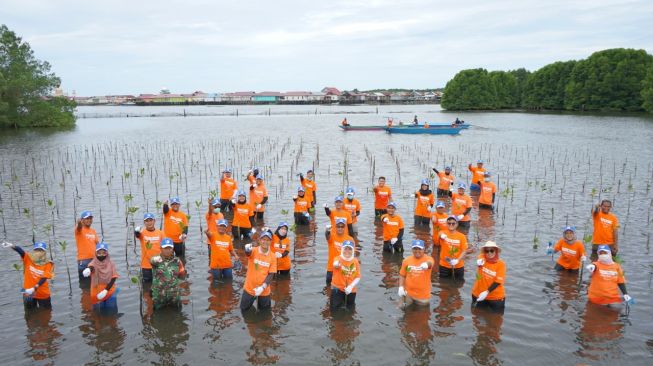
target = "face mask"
x: 487, y: 179
x: 605, y: 258
x: 101, y: 257
x: 216, y: 210
x: 350, y: 197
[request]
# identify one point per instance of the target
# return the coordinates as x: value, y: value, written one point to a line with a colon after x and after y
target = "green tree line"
x: 26, y: 86
x: 610, y: 80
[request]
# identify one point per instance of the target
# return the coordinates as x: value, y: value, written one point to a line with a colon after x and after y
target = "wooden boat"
x: 463, y: 126
x: 421, y: 130
x: 363, y: 128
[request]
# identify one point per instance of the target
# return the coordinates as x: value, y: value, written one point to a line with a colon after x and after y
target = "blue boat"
x: 422, y: 130
x: 464, y: 126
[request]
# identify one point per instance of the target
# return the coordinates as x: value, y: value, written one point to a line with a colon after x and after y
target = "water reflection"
x: 165, y: 333
x: 485, y: 225
x: 223, y: 300
x: 343, y: 329
x: 487, y: 325
x: 416, y: 334
x: 447, y: 311
x: 601, y: 330
x: 262, y: 330
x: 42, y: 335
x: 100, y: 329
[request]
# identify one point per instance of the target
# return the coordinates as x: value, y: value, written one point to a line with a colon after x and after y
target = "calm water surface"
x: 555, y: 166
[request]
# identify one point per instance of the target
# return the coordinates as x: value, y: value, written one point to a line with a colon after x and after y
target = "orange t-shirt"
x: 352, y: 206
x: 459, y: 204
x: 335, y: 245
x: 439, y: 226
x: 221, y: 248
x: 382, y: 196
x: 33, y: 273
x: 302, y: 203
x: 100, y: 287
x: 227, y: 188
x: 487, y: 190
x: 242, y: 213
x: 310, y: 187
x: 392, y: 227
x: 280, y: 246
x: 477, y: 174
x: 604, y: 227
x: 569, y: 253
x: 418, y: 279
x: 340, y: 214
x: 211, y: 222
x: 488, y: 274
x: 86, y: 238
x: 150, y: 246
x: 349, y: 271
x: 172, y: 224
x: 422, y: 204
x: 604, y: 287
x: 453, y: 245
x: 259, y: 265
x: 256, y: 196
x: 445, y: 181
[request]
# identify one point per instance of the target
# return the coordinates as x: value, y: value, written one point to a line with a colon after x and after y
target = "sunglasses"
x: 451, y: 223
x: 489, y: 250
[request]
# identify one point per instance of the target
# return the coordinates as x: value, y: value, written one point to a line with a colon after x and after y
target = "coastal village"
x: 328, y: 95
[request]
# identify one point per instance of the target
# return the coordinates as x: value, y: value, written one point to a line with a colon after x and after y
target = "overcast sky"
x: 132, y: 47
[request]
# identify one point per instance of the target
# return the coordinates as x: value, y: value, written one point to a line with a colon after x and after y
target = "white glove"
x: 424, y: 265
x: 250, y: 172
x: 480, y: 262
x: 402, y: 291
x: 278, y: 254
x: 29, y: 291
x: 328, y: 226
x: 86, y: 272
x: 326, y: 205
x: 7, y: 245
x: 183, y: 237
x: 259, y: 206
x: 349, y: 289
x: 254, y: 185
x: 294, y: 197
x: 157, y: 259
x: 591, y: 267
x: 248, y: 248
x: 386, y: 220
x: 233, y: 200
x: 102, y: 294
x: 336, y: 264
x: 259, y: 290
x: 253, y: 231
x: 443, y: 236
x: 583, y: 258
x: 482, y: 295
x: 628, y: 299
x: 138, y: 229
x: 393, y: 240
x: 460, y: 217
x: 453, y: 262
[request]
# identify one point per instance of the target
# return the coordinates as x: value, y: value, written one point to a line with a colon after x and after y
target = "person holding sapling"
x: 489, y: 288
x: 453, y: 247
x: 346, y: 276
x: 393, y: 230
x: 222, y: 252
x: 415, y: 276
x: 302, y: 204
x: 86, y: 238
x: 335, y: 238
x: 37, y: 270
x: 167, y: 271
x: 150, y: 238
x: 261, y: 267
x: 103, y: 275
x: 461, y: 207
x: 175, y: 225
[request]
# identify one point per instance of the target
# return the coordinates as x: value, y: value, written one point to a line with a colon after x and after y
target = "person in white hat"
x: 489, y: 288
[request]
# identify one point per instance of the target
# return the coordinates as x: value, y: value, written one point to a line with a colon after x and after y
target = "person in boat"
x: 415, y: 121
x: 426, y: 125
x: 389, y: 122
x: 345, y: 123
x: 457, y: 121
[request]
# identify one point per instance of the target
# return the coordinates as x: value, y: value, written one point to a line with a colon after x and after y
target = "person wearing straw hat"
x: 607, y: 279
x: 489, y: 287
x: 477, y: 174
x: 453, y: 247
x: 167, y: 271
x: 228, y: 188
x: 346, y: 276
x: 335, y: 237
x: 150, y: 238
x: 415, y: 276
x: 393, y: 230
x: 352, y: 205
x: 37, y: 270
x: 572, y: 251
x: 446, y: 181
x: 86, y: 238
x: 261, y: 267
x: 103, y: 275
x: 175, y: 225
x: 424, y: 200
x: 222, y: 251
x: 302, y: 204
x: 258, y: 196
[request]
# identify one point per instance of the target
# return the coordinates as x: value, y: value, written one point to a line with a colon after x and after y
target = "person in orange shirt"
x: 488, y: 192
x: 393, y: 230
x: 439, y: 219
x: 453, y: 247
x: 489, y: 287
x: 334, y: 239
x: 37, y: 269
x: 606, y: 227
x: 261, y: 267
x: 353, y: 205
x: 477, y: 174
x: 228, y: 187
x: 344, y: 122
x: 150, y: 239
x: 103, y: 275
x: 243, y: 222
x: 309, y: 185
x: 302, y: 204
x: 382, y: 195
x: 258, y: 196
x: 346, y: 276
x: 461, y: 206
x: 175, y: 225
x: 606, y: 277
x: 446, y: 181
x: 281, y: 247
x: 415, y: 276
x: 221, y: 247
x: 213, y: 214
x: 424, y: 200
x: 86, y: 238
x: 572, y: 251
x: 339, y: 212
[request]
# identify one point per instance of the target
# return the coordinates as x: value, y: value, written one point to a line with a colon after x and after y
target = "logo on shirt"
x: 569, y: 252
x: 608, y: 274
x: 221, y: 244
x: 243, y: 211
x: 606, y: 222
x: 261, y: 263
x: 36, y: 272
